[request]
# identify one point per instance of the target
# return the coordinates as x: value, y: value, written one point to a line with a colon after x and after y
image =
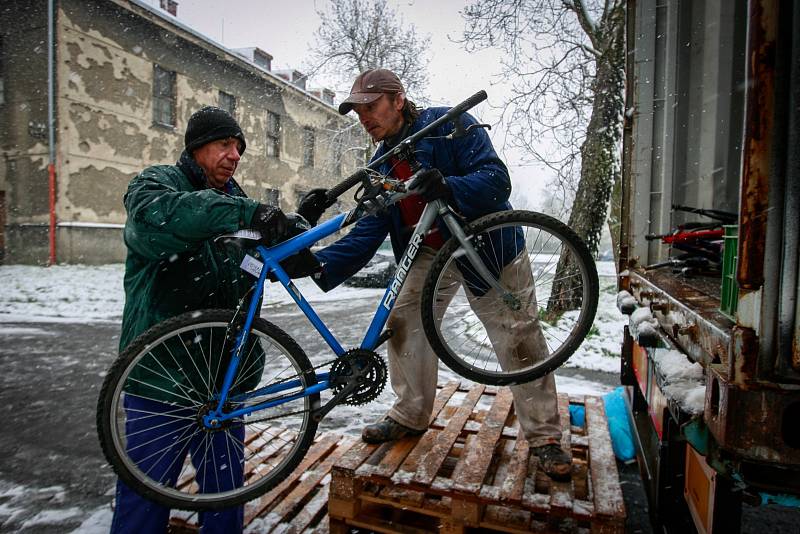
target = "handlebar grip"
x: 471, y: 102
x: 335, y: 191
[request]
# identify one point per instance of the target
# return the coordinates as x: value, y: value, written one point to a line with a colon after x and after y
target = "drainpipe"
x: 51, y: 167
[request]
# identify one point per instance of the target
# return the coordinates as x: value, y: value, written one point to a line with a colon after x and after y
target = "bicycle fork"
x: 511, y: 300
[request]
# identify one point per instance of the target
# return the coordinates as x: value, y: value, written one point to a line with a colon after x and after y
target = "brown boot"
x: 387, y: 430
x: 556, y: 463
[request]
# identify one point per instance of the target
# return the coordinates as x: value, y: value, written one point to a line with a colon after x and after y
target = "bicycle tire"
x: 256, y: 456
x: 453, y: 297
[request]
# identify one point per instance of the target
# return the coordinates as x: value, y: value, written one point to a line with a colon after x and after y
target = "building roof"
x: 191, y: 34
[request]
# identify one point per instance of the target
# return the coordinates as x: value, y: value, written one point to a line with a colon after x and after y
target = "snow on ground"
x: 76, y: 293
x: 98, y: 522
x: 73, y: 293
x: 600, y: 350
x: 17, y: 500
x: 94, y: 293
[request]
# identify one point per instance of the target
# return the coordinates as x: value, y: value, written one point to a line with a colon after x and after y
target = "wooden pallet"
x: 469, y: 471
x: 472, y: 471
x: 298, y: 503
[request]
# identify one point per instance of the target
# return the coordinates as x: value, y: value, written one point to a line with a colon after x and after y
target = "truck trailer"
x: 708, y: 257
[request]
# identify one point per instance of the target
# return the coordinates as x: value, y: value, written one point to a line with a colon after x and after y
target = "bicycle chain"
x: 264, y: 419
x: 365, y: 392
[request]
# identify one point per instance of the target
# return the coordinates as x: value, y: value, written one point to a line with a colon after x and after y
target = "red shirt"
x: 411, y: 207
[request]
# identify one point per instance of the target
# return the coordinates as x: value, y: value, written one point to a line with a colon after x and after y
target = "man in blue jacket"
x: 469, y: 175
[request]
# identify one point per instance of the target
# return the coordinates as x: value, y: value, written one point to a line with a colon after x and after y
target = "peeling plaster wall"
x: 106, y: 50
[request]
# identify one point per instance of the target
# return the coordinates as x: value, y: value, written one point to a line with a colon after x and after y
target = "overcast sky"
x: 285, y: 30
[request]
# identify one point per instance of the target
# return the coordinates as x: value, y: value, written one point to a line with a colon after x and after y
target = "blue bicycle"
x: 213, y: 408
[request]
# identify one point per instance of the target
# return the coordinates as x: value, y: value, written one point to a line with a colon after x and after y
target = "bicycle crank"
x: 365, y: 369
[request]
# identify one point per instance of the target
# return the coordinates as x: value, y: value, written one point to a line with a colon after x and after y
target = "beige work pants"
x: 414, y: 367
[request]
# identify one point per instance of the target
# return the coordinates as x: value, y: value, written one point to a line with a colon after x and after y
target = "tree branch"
x: 584, y: 19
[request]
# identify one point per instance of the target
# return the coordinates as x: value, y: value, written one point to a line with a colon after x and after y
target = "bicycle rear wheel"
x: 551, y: 292
x: 152, y: 402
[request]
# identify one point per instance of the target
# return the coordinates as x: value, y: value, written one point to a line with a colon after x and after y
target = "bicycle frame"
x: 271, y: 258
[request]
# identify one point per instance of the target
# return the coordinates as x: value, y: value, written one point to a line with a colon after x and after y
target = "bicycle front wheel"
x: 155, y: 396
x: 536, y: 319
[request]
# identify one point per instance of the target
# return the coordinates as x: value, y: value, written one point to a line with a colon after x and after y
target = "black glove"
x: 304, y: 263
x: 271, y: 222
x: 430, y: 185
x: 313, y: 205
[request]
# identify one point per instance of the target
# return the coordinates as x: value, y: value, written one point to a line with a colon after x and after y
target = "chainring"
x: 367, y: 368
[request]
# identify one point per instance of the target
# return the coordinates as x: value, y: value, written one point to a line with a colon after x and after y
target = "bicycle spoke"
x: 479, y: 332
x: 194, y: 363
x: 172, y: 396
x: 166, y: 371
x: 162, y: 390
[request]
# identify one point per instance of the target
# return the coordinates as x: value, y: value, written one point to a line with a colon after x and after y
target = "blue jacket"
x: 477, y: 177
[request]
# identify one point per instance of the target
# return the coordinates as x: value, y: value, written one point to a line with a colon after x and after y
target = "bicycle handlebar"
x: 335, y: 191
x: 361, y: 174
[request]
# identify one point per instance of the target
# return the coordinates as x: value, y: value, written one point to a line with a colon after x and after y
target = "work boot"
x: 556, y: 463
x: 387, y: 430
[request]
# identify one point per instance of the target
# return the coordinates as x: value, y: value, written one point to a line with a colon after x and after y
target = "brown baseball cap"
x: 369, y: 86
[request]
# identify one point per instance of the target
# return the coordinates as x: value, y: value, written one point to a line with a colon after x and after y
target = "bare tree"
x: 356, y: 35
x: 566, y: 63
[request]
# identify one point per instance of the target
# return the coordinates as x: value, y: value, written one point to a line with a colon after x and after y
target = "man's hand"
x: 304, y: 263
x: 271, y: 222
x: 313, y: 205
x: 431, y: 185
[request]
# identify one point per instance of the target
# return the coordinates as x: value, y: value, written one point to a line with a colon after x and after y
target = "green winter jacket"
x: 173, y: 266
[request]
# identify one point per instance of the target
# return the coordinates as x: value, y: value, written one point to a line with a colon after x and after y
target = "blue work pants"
x: 159, y: 437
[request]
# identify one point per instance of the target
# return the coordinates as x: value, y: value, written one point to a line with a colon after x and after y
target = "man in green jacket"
x: 173, y: 267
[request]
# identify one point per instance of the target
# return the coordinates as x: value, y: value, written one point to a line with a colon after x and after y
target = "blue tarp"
x: 618, y: 426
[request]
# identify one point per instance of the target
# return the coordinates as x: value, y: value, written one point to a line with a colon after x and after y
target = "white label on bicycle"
x: 247, y: 234
x: 402, y: 270
x: 252, y: 265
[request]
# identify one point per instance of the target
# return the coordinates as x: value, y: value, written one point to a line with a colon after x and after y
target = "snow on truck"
x: 709, y: 256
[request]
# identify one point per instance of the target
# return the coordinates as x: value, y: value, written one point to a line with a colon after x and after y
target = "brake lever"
x: 460, y: 131
x: 468, y: 129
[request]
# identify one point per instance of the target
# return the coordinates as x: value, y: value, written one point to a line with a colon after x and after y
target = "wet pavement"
x: 52, y: 473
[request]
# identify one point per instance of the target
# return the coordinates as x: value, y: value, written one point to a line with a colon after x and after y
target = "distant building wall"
x: 107, y: 52
x: 23, y: 127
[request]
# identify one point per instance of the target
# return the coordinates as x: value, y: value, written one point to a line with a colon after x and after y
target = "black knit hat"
x: 209, y: 124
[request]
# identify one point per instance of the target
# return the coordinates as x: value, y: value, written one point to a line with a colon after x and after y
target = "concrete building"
x: 125, y: 78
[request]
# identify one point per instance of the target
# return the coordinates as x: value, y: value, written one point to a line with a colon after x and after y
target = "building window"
x: 227, y: 102
x: 272, y: 197
x: 163, y: 96
x: 262, y: 59
x: 170, y: 6
x: 309, y: 139
x: 273, y: 134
